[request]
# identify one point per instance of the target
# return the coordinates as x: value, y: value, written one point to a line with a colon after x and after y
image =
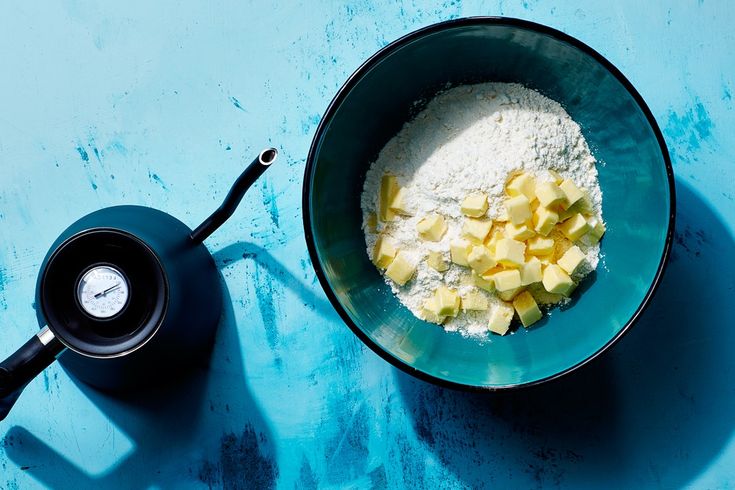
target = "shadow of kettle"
x: 210, y: 420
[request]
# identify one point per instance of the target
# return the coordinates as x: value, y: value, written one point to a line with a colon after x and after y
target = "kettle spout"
x: 239, y: 188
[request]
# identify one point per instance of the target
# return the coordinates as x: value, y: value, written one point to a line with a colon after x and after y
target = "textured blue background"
x: 162, y: 103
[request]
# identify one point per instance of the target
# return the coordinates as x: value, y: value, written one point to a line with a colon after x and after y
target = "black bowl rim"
x: 344, y: 92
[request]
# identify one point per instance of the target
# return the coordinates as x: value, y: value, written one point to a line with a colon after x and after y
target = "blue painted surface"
x: 162, y: 104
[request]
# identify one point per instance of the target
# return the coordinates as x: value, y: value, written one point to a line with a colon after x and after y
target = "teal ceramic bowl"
x: 635, y: 176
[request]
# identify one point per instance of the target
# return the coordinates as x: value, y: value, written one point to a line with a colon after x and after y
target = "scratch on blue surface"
x: 237, y: 104
x: 349, y: 445
x: 3, y: 302
x: 726, y: 94
x: 269, y: 200
x: 689, y: 129
x: 154, y: 178
x: 269, y: 298
x: 83, y: 154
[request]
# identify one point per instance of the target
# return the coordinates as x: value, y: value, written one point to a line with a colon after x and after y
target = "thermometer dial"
x: 103, y: 292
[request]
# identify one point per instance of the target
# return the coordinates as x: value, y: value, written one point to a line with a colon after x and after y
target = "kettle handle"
x: 25, y: 364
x: 237, y: 192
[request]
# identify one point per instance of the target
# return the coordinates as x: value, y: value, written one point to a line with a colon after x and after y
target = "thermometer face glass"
x: 103, y: 292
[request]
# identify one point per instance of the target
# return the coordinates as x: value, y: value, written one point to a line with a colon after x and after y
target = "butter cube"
x: 430, y: 311
x: 383, y: 253
x: 510, y: 294
x: 565, y: 214
x: 371, y: 223
x: 482, y: 283
x: 571, y: 191
x: 518, y: 209
x: 557, y: 281
x: 597, y: 227
x: 500, y: 319
x: 549, y: 194
x: 571, y: 259
x: 507, y: 280
x: 459, y: 250
x: 540, y: 246
x: 475, y: 204
x: 475, y: 301
x: 432, y: 227
x: 447, y: 300
x: 436, y: 261
x: 476, y: 229
x: 401, y: 270
x: 527, y: 309
x: 492, y: 240
x: 556, y: 176
x: 518, y: 232
x: 479, y: 259
x: 531, y: 272
x: 388, y: 190
x: 523, y: 184
x: 585, y: 205
x: 510, y: 252
x: 398, y: 203
x: 544, y: 220
x: 575, y: 227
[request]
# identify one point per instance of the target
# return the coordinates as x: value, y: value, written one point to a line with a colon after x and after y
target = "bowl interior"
x: 375, y: 104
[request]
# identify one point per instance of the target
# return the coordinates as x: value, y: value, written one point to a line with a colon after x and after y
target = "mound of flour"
x: 470, y: 138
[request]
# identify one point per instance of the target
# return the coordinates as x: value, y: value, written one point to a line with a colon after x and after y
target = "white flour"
x: 467, y: 139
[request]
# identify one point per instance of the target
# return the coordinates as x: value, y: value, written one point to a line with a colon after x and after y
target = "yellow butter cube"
x: 518, y: 232
x: 476, y: 229
x: 531, y: 272
x: 575, y: 227
x: 518, y: 209
x: 475, y: 301
x: 572, y: 259
x: 480, y: 260
x: 597, y: 227
x: 500, y: 319
x: 436, y: 261
x: 565, y: 214
x: 549, y: 194
x: 507, y: 280
x: 493, y: 238
x: 556, y: 176
x: 447, y: 300
x: 432, y: 227
x: 510, y: 294
x: 430, y: 311
x: 459, y: 250
x: 388, y: 190
x: 401, y: 270
x: 371, y: 222
x: 544, y: 220
x: 383, y: 253
x: 571, y: 191
x: 482, y: 283
x: 557, y: 281
x: 523, y: 184
x: 540, y: 246
x: 475, y: 205
x: 398, y: 203
x: 584, y: 205
x: 527, y: 309
x: 510, y: 252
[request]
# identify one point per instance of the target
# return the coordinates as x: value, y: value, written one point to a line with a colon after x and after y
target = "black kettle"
x: 127, y: 297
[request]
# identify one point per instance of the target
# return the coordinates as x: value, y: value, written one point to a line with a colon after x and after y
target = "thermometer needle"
x: 110, y: 289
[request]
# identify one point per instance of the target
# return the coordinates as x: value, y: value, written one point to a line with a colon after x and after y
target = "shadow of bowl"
x: 655, y: 410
